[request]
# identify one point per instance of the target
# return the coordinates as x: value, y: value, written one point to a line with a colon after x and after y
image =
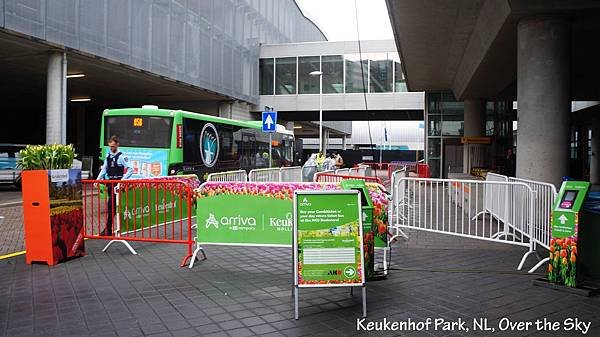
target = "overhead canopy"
x: 470, y: 46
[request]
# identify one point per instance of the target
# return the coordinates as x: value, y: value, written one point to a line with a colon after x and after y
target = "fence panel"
x: 450, y: 207
x: 239, y: 175
x: 322, y: 177
x: 290, y: 174
x: 264, y: 175
x: 343, y: 171
x: 150, y: 210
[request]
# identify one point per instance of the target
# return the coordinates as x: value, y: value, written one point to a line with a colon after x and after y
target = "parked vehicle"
x: 10, y: 173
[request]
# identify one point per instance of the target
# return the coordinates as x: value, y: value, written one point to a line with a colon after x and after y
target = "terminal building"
x: 64, y: 62
x: 521, y: 72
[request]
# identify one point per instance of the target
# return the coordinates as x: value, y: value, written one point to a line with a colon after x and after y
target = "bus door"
x: 248, y: 150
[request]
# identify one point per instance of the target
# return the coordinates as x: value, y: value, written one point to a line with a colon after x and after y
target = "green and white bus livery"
x: 161, y: 142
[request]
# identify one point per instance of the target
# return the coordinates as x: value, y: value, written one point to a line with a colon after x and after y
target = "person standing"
x: 339, y: 161
x: 116, y: 167
x: 510, y: 163
x: 320, y: 160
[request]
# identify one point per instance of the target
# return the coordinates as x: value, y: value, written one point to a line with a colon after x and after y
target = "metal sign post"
x: 269, y: 125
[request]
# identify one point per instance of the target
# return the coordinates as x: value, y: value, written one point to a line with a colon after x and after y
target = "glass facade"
x: 380, y: 73
x: 308, y: 84
x: 285, y: 76
x: 355, y: 83
x: 445, y: 127
x: 267, y: 74
x: 341, y: 74
x: 399, y: 80
x: 333, y: 74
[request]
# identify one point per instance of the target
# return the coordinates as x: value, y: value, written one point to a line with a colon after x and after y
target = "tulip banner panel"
x: 66, y: 213
x: 562, y: 267
x: 328, y: 245
x: 247, y: 213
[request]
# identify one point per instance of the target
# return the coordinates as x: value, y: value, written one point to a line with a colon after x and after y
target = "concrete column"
x: 595, y: 160
x: 544, y: 100
x: 474, y: 126
x: 56, y: 99
x: 325, y: 140
x: 344, y: 145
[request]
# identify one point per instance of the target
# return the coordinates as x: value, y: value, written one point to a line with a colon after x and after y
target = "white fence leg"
x: 198, y: 249
x: 117, y: 224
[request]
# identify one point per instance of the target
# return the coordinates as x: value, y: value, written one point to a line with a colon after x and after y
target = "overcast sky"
x: 337, y: 18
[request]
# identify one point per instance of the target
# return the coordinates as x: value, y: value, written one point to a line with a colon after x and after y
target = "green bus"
x: 161, y: 142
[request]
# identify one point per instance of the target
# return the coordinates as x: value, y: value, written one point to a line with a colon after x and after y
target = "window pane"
x: 333, y: 74
x: 285, y: 76
x: 266, y: 67
x: 399, y: 81
x: 354, y: 80
x: 381, y: 76
x: 308, y: 84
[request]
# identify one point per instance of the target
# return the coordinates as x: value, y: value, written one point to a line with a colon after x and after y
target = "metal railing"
x: 450, y: 206
x: 239, y: 175
x: 264, y: 175
x: 398, y: 198
x: 323, y: 177
x: 290, y: 174
x: 343, y: 171
x: 360, y: 170
x: 146, y: 210
x: 545, y: 196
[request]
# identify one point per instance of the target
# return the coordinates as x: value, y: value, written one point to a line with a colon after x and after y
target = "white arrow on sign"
x: 562, y: 219
x: 269, y: 121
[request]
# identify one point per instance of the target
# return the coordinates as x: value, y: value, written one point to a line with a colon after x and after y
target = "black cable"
x: 364, y: 87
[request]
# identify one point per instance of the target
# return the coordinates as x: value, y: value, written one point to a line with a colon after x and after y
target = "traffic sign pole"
x: 270, y: 149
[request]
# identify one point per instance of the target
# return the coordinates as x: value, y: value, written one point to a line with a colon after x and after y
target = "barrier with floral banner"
x: 261, y: 214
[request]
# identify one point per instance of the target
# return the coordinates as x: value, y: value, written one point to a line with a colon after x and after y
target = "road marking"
x: 2, y: 257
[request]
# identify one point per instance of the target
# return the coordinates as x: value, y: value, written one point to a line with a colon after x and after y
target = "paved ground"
x: 9, y: 195
x: 246, y: 291
x: 11, y: 230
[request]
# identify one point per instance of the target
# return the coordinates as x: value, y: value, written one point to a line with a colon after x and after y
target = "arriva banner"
x: 255, y: 220
x: 241, y: 213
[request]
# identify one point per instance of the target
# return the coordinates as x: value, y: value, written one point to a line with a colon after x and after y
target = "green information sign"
x: 328, y: 239
x: 255, y: 220
x: 563, y: 224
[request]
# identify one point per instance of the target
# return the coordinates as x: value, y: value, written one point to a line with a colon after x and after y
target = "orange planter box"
x: 52, y: 215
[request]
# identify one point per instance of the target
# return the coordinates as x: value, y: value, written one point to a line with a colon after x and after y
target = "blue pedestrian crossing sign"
x: 269, y: 121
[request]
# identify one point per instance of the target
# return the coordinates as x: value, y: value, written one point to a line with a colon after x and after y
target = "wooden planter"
x: 52, y: 215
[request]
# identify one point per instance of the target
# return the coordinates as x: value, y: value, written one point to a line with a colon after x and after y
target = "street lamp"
x: 320, y: 74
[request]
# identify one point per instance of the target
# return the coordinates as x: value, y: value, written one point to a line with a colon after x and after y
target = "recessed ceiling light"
x: 298, y: 127
x: 76, y: 75
x: 82, y: 99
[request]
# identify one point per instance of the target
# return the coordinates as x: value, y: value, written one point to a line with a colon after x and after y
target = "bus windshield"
x: 139, y: 131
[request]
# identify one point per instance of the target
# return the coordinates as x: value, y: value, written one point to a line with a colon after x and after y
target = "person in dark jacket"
x: 116, y: 167
x: 510, y: 163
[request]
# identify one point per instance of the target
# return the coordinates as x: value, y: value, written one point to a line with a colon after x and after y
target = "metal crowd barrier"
x: 545, y: 195
x: 264, y: 175
x: 398, y: 198
x: 150, y: 210
x: 290, y: 174
x: 343, y: 171
x: 239, y: 175
x: 322, y: 177
x: 450, y: 206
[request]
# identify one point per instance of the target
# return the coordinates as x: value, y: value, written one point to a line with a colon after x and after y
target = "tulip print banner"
x: 328, y: 239
x: 243, y: 213
x: 244, y: 220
